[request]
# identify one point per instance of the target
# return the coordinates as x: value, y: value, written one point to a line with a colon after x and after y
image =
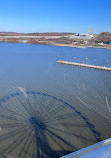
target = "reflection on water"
x: 40, y: 125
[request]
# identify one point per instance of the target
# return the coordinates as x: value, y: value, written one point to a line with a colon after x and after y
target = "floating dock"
x: 85, y: 65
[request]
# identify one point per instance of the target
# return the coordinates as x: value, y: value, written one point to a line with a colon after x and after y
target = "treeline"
x: 36, y: 34
x: 50, y: 34
x: 104, y: 37
x: 10, y: 34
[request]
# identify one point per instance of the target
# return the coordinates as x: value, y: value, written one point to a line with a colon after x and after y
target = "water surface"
x: 49, y: 109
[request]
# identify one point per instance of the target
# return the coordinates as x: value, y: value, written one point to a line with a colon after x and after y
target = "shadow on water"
x: 38, y: 125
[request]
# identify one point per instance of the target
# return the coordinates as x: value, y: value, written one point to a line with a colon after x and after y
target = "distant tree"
x: 104, y: 37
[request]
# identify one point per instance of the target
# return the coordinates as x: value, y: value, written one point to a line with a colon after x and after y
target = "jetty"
x: 84, y: 65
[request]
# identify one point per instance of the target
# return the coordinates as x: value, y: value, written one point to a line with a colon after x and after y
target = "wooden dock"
x: 84, y: 65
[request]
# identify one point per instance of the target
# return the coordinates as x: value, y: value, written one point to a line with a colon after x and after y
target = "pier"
x: 84, y: 65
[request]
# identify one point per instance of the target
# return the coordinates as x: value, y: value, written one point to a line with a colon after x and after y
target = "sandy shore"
x: 59, y: 44
x: 81, y: 46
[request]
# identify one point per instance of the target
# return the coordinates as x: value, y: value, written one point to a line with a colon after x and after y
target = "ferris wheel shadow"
x: 38, y: 125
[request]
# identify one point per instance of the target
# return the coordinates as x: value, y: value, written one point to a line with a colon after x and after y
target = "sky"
x: 77, y: 16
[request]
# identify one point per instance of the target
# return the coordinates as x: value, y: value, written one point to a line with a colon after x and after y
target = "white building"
x: 81, y: 36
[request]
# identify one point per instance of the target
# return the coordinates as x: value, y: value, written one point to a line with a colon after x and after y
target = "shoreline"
x: 81, y: 46
x: 62, y: 45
